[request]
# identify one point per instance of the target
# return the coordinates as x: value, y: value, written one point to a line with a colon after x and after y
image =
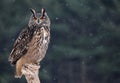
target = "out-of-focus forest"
x: 85, y: 40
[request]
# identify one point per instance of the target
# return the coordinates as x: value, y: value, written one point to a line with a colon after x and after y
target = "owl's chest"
x: 41, y: 37
x: 39, y: 44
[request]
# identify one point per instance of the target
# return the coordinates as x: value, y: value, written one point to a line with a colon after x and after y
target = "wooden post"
x: 31, y: 72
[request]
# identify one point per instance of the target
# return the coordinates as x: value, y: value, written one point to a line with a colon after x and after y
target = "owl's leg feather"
x: 19, y: 66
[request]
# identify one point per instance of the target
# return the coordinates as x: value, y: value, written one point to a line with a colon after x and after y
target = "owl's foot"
x: 18, y: 76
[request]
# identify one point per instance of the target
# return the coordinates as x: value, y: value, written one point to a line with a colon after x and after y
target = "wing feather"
x: 20, y: 46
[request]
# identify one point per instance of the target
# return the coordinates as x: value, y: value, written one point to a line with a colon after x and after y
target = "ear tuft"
x: 43, y: 10
x: 42, y: 13
x: 33, y: 11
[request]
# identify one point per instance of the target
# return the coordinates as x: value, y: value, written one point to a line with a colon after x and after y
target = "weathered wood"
x: 31, y: 72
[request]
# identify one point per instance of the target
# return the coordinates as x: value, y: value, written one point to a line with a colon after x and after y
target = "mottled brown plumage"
x: 32, y: 43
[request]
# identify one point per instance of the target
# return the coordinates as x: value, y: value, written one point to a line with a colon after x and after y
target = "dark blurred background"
x: 85, y: 40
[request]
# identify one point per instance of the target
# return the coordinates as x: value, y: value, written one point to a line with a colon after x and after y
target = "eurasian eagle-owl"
x: 32, y: 43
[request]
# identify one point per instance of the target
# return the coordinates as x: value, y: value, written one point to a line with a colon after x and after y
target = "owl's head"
x: 39, y: 19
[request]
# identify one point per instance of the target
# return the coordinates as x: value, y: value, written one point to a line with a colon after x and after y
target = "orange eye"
x: 42, y: 17
x: 35, y: 18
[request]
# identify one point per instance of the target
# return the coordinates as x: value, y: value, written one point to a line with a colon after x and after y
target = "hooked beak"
x: 38, y: 21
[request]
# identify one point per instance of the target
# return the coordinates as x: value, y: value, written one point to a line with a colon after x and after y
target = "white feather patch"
x: 44, y: 36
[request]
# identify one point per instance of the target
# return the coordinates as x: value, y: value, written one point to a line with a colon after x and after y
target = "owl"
x: 32, y: 43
